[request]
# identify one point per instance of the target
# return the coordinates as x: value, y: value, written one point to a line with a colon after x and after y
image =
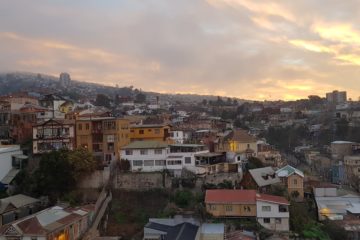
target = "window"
x: 157, y: 131
x: 266, y: 208
x: 87, y: 126
x: 143, y: 152
x: 33, y: 238
x: 212, y: 207
x: 158, y: 151
x: 149, y: 163
x: 128, y: 152
x: 295, y: 181
x: 228, y: 208
x: 160, y: 162
x: 108, y: 157
x: 247, y: 209
x: 174, y: 162
x: 278, y: 220
x: 266, y: 220
x: 187, y: 160
x: 80, y: 126
x: 138, y: 163
x: 141, y: 131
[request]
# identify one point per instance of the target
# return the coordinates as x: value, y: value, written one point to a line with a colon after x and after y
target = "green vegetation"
x: 254, y: 162
x: 183, y: 198
x: 57, y: 175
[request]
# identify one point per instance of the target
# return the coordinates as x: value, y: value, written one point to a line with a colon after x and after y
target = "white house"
x: 272, y: 212
x: 150, y: 156
x: 183, y: 156
x: 11, y: 159
x: 147, y: 156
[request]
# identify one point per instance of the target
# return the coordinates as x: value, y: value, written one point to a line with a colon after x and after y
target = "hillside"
x: 37, y: 82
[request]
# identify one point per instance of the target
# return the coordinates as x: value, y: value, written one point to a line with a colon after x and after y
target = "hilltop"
x: 11, y: 82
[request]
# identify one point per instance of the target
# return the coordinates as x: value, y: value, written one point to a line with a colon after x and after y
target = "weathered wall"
x: 96, y: 180
x: 141, y: 181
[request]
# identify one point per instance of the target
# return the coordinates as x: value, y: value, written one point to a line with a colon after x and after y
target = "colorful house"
x: 154, y: 132
x: 293, y: 179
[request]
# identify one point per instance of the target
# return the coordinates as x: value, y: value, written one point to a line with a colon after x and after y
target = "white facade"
x: 271, y: 217
x: 178, y: 161
x: 6, y: 154
x: 179, y: 136
x: 146, y: 160
x: 158, y: 159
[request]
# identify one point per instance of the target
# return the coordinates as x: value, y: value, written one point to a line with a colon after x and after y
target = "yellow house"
x: 66, y: 107
x: 153, y: 132
x: 103, y: 136
x: 238, y: 141
x: 231, y: 203
x: 293, y: 179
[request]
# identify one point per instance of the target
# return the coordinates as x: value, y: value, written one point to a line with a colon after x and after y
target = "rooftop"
x: 17, y: 201
x: 148, y: 125
x: 146, y: 145
x: 288, y: 171
x: 233, y: 196
x: 213, y: 228
x: 272, y: 199
x: 264, y: 176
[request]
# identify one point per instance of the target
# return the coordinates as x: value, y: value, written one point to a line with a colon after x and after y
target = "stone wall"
x: 141, y: 181
x: 96, y: 180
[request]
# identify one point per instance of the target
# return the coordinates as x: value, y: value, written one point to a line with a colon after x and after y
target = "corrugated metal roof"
x: 10, y: 176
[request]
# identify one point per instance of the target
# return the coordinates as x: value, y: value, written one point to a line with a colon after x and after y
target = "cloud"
x: 243, y: 48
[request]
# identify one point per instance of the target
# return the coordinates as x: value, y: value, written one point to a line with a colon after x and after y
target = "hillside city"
x: 89, y: 161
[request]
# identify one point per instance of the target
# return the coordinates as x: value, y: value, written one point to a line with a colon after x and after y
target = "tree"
x: 140, y: 98
x: 123, y: 165
x: 254, y: 162
x: 183, y: 198
x: 204, y: 102
x: 235, y: 102
x: 102, y: 100
x: 229, y: 101
x: 54, y: 177
x: 82, y: 162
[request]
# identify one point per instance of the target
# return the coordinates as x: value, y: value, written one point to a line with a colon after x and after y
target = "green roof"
x: 146, y: 145
x: 288, y: 170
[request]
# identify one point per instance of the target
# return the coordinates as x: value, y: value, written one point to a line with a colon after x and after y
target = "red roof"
x: 241, y: 196
x: 272, y: 198
x: 230, y: 196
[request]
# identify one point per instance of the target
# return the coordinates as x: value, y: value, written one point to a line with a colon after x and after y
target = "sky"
x: 258, y: 50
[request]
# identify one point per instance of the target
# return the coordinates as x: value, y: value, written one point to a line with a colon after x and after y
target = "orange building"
x: 153, y: 132
x: 103, y: 136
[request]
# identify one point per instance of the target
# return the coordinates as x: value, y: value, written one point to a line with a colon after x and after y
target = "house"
x: 178, y: 228
x: 293, y: 179
x: 155, y: 132
x: 103, y: 136
x: 152, y: 156
x: 272, y: 212
x: 12, y: 160
x: 215, y: 163
x: 183, y: 156
x: 238, y: 140
x: 16, y: 207
x: 147, y: 156
x: 352, y: 168
x: 51, y: 223
x: 231, y: 203
x: 53, y: 135
x: 264, y: 178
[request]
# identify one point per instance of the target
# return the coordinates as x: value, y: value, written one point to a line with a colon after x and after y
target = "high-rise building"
x: 65, y: 79
x: 336, y: 97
